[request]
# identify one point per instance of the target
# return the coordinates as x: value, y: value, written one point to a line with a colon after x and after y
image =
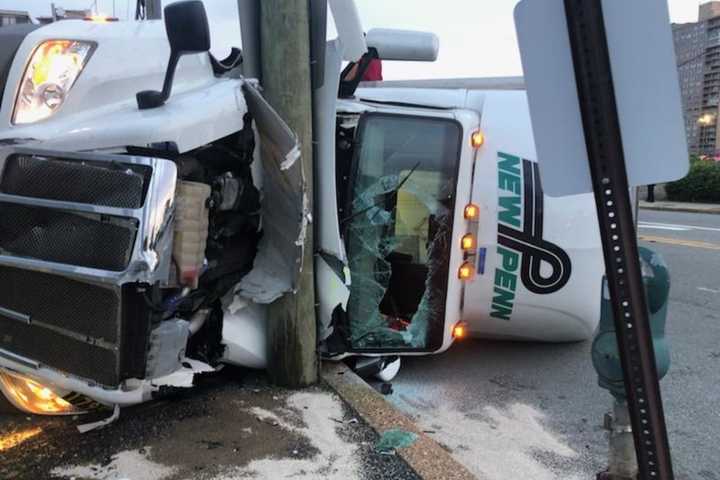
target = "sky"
x: 477, y: 37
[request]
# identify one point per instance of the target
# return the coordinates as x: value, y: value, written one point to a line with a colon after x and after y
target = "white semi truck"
x: 143, y: 233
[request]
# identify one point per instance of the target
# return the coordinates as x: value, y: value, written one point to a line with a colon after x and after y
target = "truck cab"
x: 141, y: 241
x: 447, y: 232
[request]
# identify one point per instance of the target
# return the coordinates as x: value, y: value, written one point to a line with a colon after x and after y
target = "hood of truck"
x: 100, y: 110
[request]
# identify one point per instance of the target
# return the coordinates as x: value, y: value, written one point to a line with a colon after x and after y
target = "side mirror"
x: 188, y: 32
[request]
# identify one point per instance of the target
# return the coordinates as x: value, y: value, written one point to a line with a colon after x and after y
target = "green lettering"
x: 509, y: 182
x: 505, y: 280
x: 510, y: 259
x: 501, y: 313
x: 503, y: 298
x: 510, y: 211
x: 509, y: 163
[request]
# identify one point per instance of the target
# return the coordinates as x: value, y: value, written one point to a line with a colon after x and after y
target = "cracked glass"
x: 398, y: 230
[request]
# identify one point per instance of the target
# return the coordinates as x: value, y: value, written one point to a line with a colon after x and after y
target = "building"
x: 11, y: 17
x: 709, y: 10
x: 697, y: 47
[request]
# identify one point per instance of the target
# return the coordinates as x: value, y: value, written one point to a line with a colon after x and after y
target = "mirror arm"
x: 170, y: 74
x: 149, y: 99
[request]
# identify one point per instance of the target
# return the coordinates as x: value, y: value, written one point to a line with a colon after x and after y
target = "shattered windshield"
x: 398, y: 230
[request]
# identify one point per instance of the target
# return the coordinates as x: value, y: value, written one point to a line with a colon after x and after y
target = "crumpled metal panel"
x: 285, y: 206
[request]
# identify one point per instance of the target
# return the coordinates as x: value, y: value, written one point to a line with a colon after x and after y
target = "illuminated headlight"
x: 31, y: 397
x: 52, y: 71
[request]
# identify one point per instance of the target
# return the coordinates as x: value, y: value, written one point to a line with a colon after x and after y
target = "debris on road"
x: 395, y: 439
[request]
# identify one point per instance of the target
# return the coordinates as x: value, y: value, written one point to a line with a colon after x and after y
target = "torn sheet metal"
x: 184, y: 377
x: 285, y: 206
x: 89, y: 427
x: 167, y: 346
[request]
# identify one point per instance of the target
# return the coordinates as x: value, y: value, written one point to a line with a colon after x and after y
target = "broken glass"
x: 399, y: 229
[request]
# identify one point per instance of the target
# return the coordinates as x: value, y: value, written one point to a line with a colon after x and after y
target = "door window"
x: 398, y: 230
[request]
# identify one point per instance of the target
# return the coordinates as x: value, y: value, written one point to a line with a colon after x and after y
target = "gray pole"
x: 153, y: 9
x: 285, y: 67
x: 249, y: 11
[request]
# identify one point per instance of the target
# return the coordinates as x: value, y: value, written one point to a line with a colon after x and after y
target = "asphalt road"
x: 232, y: 426
x: 512, y: 411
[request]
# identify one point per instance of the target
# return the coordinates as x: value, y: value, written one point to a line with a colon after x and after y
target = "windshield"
x: 398, y: 230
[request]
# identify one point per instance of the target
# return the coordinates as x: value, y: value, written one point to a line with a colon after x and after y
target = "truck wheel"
x: 390, y: 371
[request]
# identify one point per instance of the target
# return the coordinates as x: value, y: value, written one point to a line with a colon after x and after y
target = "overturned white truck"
x: 142, y: 233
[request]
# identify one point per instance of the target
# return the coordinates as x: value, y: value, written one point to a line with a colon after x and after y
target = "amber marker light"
x: 30, y: 396
x: 472, y: 212
x: 477, y: 139
x: 468, y: 242
x: 467, y: 271
x: 459, y: 331
x: 100, y: 19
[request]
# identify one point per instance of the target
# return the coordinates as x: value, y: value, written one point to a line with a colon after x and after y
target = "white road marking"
x: 709, y: 290
x: 680, y: 228
x: 662, y: 227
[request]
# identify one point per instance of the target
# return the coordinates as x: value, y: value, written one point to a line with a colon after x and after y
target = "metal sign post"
x: 605, y: 104
x: 603, y: 136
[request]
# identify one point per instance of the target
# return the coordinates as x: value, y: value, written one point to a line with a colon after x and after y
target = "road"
x: 232, y: 426
x: 527, y: 411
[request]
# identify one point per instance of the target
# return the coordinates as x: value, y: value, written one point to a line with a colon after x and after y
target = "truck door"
x: 397, y: 221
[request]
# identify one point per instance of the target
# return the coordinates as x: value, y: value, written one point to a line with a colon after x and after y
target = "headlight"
x: 49, y: 76
x: 31, y: 397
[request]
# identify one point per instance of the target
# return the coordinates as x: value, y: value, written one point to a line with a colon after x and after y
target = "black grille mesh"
x: 119, y: 186
x: 67, y: 317
x: 78, y: 306
x: 64, y: 237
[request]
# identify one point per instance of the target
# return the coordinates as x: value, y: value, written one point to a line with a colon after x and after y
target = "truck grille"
x: 109, y: 185
x: 82, y: 238
x: 90, y: 241
x: 72, y: 326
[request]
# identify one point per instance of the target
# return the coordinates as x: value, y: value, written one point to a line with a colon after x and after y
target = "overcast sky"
x: 477, y: 37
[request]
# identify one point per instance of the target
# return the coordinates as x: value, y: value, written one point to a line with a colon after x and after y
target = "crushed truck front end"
x: 132, y: 252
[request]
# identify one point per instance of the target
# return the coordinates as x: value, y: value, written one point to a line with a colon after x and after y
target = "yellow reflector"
x: 468, y: 242
x: 477, y: 139
x: 459, y: 331
x: 467, y: 271
x: 472, y: 212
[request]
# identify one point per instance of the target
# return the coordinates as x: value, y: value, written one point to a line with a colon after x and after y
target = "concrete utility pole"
x: 285, y: 67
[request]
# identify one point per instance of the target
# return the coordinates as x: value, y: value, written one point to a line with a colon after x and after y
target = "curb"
x: 681, y: 208
x: 429, y: 460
